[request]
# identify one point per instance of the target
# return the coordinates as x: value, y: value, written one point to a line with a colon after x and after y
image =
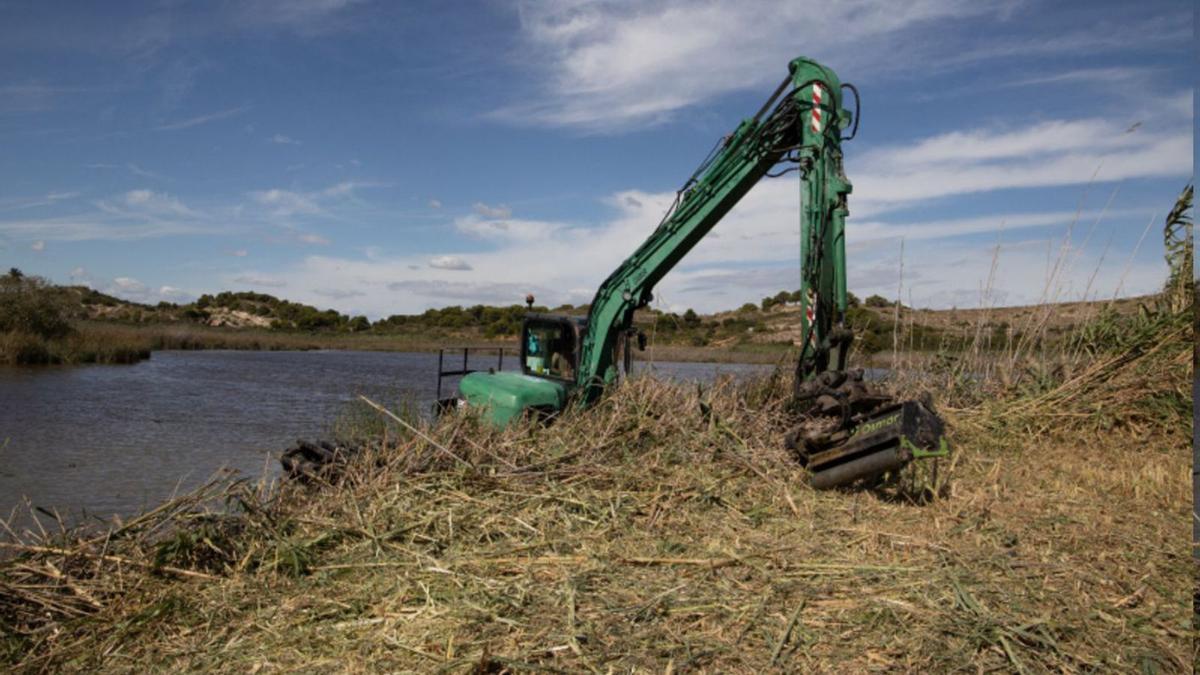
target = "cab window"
x: 549, y: 350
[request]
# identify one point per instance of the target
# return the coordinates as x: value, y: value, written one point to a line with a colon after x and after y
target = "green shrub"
x: 877, y: 301
x: 30, y: 305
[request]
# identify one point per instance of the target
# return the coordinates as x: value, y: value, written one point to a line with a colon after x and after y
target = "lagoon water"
x: 104, y: 440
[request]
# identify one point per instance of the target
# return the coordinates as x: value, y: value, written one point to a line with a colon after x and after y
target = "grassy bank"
x: 107, y: 342
x: 103, y: 342
x: 667, y: 530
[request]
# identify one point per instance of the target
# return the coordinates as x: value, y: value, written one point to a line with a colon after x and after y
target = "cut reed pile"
x: 664, y: 530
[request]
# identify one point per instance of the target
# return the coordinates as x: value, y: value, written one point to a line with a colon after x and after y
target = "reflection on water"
x: 117, y: 439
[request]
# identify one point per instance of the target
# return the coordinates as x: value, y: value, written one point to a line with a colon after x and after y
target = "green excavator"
x: 845, y: 432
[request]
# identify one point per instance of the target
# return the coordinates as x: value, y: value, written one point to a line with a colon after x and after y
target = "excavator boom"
x: 802, y: 122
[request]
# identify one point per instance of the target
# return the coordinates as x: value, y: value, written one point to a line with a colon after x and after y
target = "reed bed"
x: 665, y: 530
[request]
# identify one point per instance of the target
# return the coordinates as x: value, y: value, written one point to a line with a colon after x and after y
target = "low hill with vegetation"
x: 44, y: 323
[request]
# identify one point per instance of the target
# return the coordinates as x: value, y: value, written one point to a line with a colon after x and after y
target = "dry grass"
x: 664, y: 531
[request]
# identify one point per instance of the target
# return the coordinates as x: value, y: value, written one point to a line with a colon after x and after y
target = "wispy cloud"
x: 280, y: 139
x: 498, y: 211
x: 131, y: 288
x: 100, y: 227
x: 615, y: 66
x: 203, y: 119
x: 338, y: 293
x: 254, y: 279
x: 34, y: 97
x: 302, y: 16
x: 450, y: 262
x: 143, y: 173
x: 311, y: 238
x: 1105, y: 76
x: 1052, y: 153
x: 503, y: 228
x: 611, y: 66
x: 49, y: 199
x: 148, y: 202
x: 135, y: 214
x: 129, y: 166
x: 285, y: 203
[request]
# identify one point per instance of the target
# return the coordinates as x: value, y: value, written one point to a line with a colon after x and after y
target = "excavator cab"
x: 550, y: 346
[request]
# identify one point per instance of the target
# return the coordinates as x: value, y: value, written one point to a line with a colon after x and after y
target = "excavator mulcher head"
x: 849, y: 434
x: 886, y: 441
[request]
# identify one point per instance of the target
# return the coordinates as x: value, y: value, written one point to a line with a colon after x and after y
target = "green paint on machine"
x: 505, y: 397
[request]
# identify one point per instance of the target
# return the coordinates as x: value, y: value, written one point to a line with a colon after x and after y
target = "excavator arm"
x: 802, y: 123
x: 845, y: 432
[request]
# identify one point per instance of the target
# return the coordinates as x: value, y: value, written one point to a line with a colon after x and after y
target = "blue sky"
x: 389, y: 157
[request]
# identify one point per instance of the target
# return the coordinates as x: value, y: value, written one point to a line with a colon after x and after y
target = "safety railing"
x: 466, y: 369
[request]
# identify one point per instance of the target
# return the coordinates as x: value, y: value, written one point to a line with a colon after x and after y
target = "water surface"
x: 116, y: 439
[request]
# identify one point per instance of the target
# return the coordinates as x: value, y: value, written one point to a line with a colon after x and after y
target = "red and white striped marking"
x: 816, y: 108
x: 810, y: 314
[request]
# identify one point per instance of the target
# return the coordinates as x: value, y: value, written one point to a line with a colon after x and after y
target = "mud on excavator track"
x: 850, y: 433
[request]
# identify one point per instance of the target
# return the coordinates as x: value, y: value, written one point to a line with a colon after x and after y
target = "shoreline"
x: 110, y: 343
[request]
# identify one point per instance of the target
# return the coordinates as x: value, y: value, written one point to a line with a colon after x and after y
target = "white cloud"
x: 466, y: 292
x: 103, y: 227
x: 504, y: 229
x: 136, y: 214
x: 23, y: 203
x: 1052, y: 153
x: 613, y: 65
x: 280, y: 139
x: 285, y: 203
x: 435, y: 204
x: 202, y: 119
x: 156, y: 203
x: 753, y: 252
x: 132, y: 168
x: 128, y: 285
x: 172, y: 293
x: 38, y: 246
x: 239, y: 253
x: 303, y: 16
x: 312, y: 238
x: 498, y: 211
x: 343, y: 189
x: 137, y: 197
x: 142, y: 173
x: 1103, y: 76
x: 337, y: 293
x: 450, y: 262
x: 252, y: 279
x: 129, y: 288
